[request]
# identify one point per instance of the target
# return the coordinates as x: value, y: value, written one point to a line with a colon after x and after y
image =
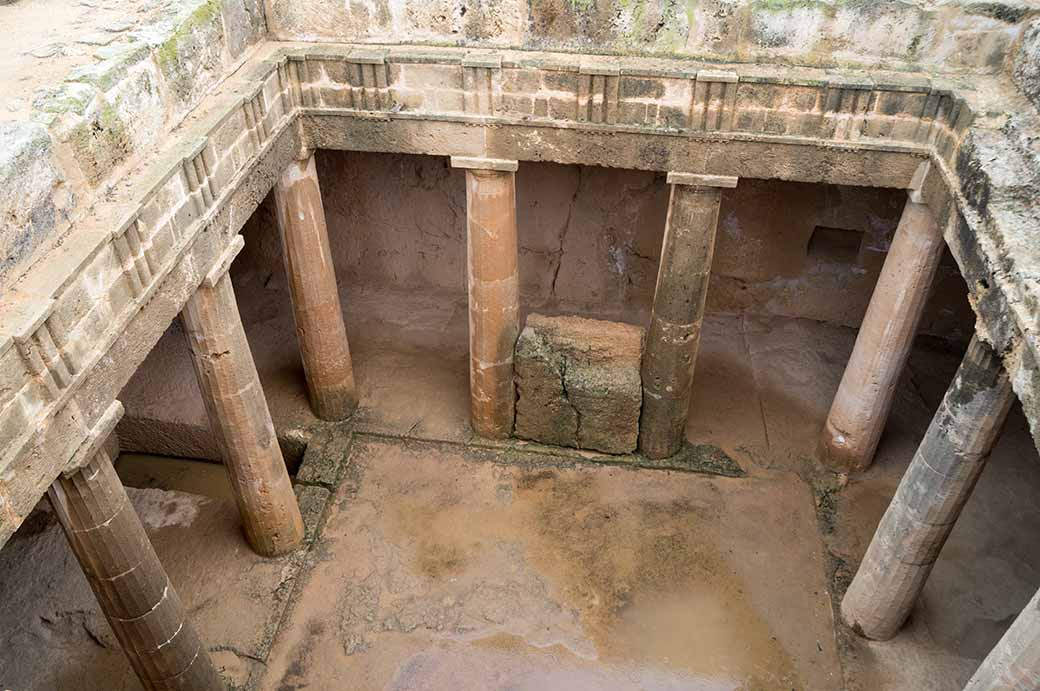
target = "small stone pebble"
x: 118, y: 26
x: 96, y: 39
x: 48, y: 51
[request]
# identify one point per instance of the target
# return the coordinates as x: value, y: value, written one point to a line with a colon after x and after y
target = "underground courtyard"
x: 500, y: 345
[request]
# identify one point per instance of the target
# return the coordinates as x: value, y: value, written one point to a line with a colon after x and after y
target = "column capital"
x: 96, y: 439
x: 918, y: 181
x: 224, y: 263
x: 699, y: 180
x: 477, y: 163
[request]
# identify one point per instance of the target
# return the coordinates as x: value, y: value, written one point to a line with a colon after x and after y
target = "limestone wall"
x: 957, y: 35
x: 105, y: 95
x: 591, y: 237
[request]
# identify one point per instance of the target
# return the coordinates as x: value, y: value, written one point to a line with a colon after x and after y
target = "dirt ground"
x: 439, y: 562
x: 45, y: 39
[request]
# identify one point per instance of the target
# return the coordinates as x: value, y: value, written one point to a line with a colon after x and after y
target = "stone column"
x: 930, y: 496
x: 494, y: 300
x: 128, y: 580
x: 675, y: 324
x: 1014, y: 663
x: 238, y: 415
x: 861, y: 406
x: 315, y: 297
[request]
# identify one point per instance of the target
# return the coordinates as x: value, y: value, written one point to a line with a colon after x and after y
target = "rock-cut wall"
x: 944, y: 35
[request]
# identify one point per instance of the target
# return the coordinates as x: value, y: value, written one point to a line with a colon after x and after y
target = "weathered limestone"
x: 239, y: 416
x: 857, y: 417
x: 312, y: 283
x: 130, y: 583
x: 818, y: 33
x: 1014, y: 662
x: 930, y: 496
x: 675, y: 324
x: 578, y: 383
x: 494, y: 299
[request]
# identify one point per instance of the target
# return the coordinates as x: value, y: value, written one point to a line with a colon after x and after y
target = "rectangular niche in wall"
x: 834, y: 245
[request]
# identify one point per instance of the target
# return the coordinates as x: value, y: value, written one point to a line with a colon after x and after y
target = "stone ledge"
x: 727, y: 181
x: 473, y: 163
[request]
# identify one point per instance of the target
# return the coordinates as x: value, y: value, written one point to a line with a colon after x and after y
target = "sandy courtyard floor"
x: 441, y: 569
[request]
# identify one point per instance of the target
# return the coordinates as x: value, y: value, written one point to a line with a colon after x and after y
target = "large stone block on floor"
x: 578, y: 383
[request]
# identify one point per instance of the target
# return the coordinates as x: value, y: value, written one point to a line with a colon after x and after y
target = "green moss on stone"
x: 69, y: 98
x: 100, y: 141
x: 582, y: 6
x: 789, y: 5
x: 168, y: 55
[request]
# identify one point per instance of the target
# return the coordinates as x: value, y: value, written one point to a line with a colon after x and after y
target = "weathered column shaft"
x: 930, y: 496
x: 312, y: 282
x: 861, y: 406
x: 675, y: 323
x: 494, y: 299
x: 128, y: 580
x: 1014, y: 663
x: 240, y: 419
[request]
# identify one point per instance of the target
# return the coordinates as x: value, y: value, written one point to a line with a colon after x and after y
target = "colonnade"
x: 945, y: 467
x: 103, y: 529
x: 151, y: 624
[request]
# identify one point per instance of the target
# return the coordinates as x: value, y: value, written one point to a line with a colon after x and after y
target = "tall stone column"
x: 312, y: 282
x: 1014, y: 663
x: 494, y: 298
x: 930, y: 496
x: 239, y: 416
x: 861, y: 406
x: 128, y: 580
x: 675, y: 324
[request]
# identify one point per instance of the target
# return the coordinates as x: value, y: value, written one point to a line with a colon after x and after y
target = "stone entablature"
x: 80, y: 320
x: 895, y: 110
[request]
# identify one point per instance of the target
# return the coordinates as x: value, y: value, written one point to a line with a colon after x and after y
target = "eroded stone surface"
x: 578, y: 383
x: 966, y: 36
x: 31, y: 197
x: 1026, y: 66
x: 113, y: 84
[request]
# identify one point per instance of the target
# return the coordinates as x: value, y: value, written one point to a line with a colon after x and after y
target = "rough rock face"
x: 1026, y: 67
x: 578, y: 383
x: 956, y: 35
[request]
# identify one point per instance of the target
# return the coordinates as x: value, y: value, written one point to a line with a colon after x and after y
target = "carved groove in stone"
x: 481, y: 84
x: 713, y: 106
x: 598, y: 90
